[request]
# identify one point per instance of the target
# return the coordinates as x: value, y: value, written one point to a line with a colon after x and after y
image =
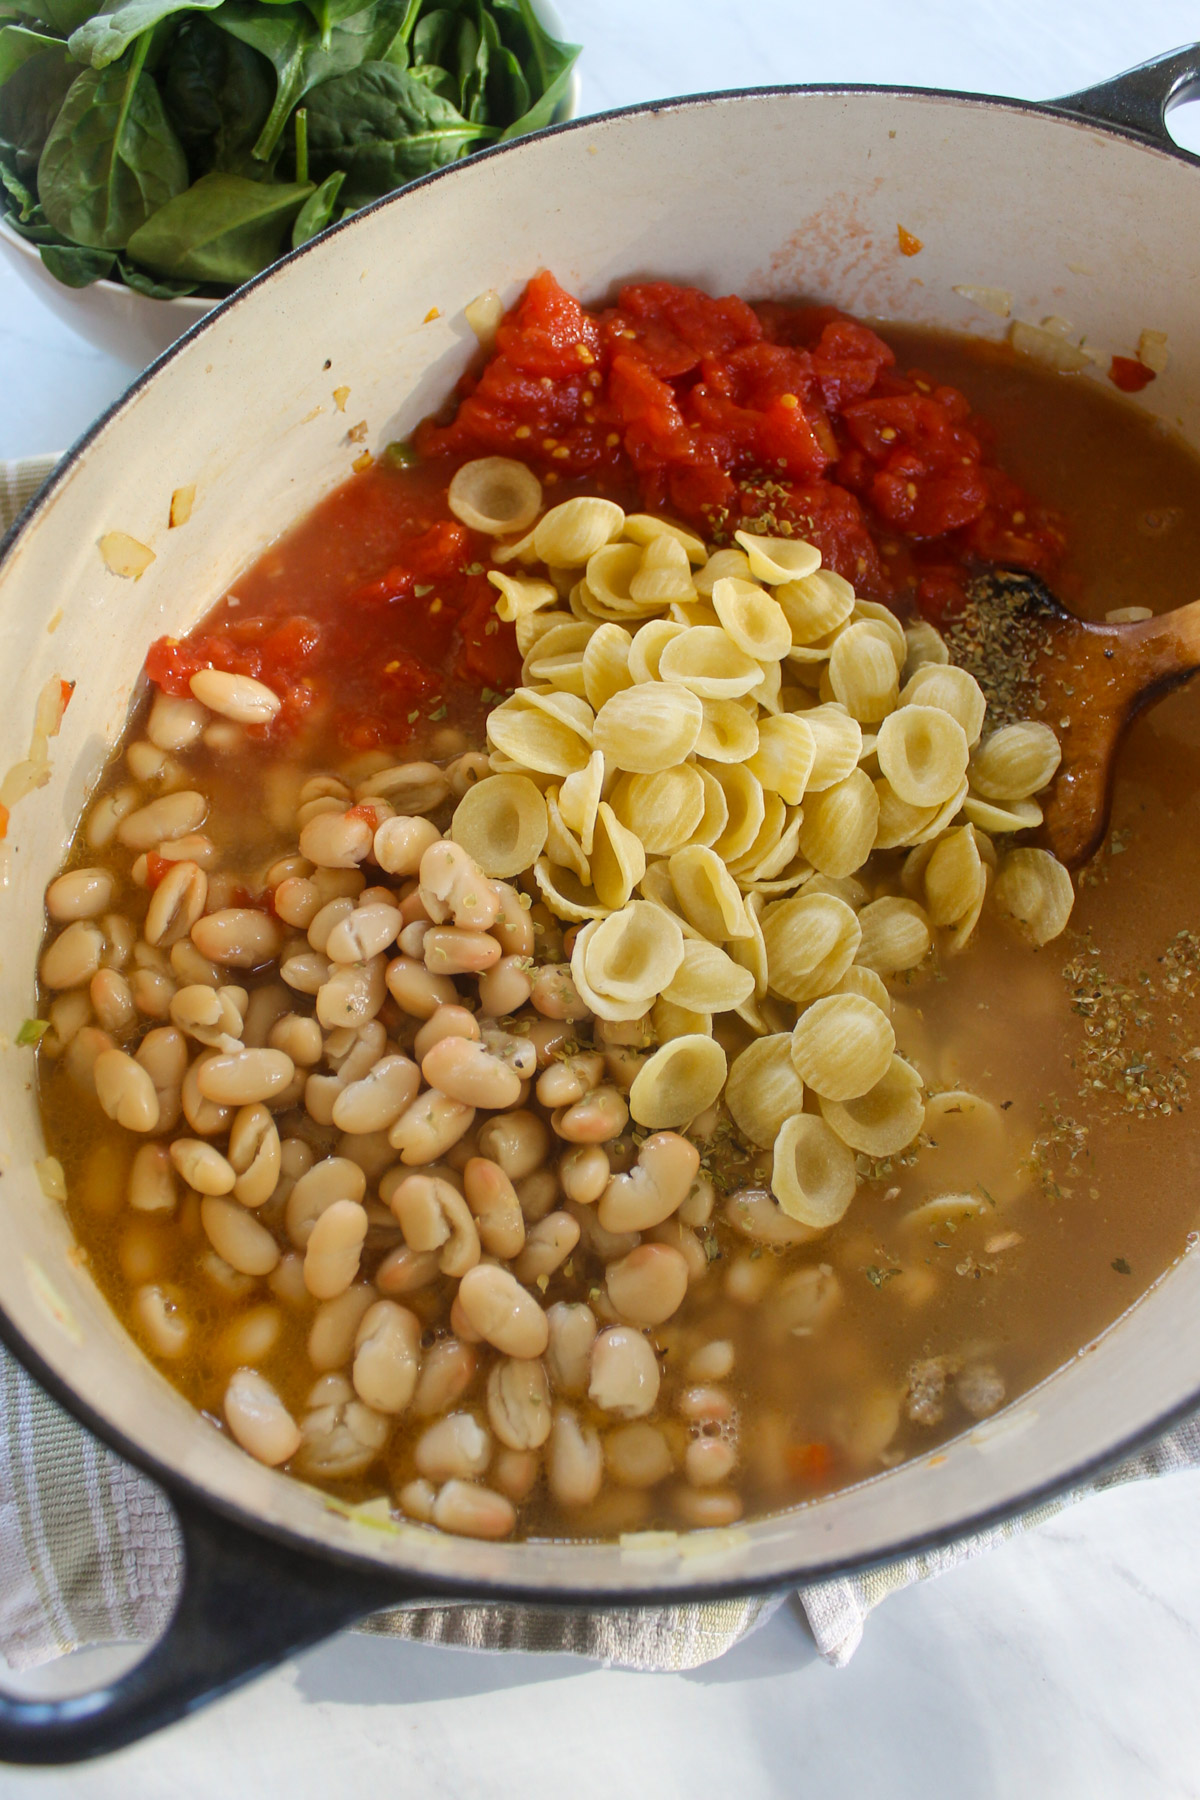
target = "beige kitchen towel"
x: 89, y: 1552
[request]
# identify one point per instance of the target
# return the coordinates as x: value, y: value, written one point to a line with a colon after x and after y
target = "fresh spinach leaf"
x: 474, y: 55
x: 218, y: 94
x: 18, y: 44
x: 433, y: 39
x: 328, y: 13
x: 17, y: 200
x: 224, y: 229
x: 317, y: 211
x: 141, y: 283
x: 548, y: 68
x: 508, y: 90
x: 30, y: 101
x: 106, y: 36
x: 111, y: 159
x: 75, y: 266
x: 384, y: 127
x: 63, y: 16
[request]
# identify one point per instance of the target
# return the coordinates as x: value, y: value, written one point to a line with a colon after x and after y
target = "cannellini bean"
x: 317, y: 1188
x: 334, y: 1249
x: 378, y: 1099
x: 88, y: 1043
x: 152, y: 993
x: 447, y: 1370
x: 69, y: 1013
x: 152, y: 1180
x: 404, y: 1271
x: 341, y: 1436
x: 337, y: 840
x: 572, y: 1332
x: 210, y: 1015
x: 756, y: 1214
x: 205, y: 1117
x: 449, y: 950
x: 504, y: 1313
x: 297, y: 901
x: 697, y: 1206
x: 677, y: 1237
x: 387, y: 1357
x: 254, y: 1154
x: 236, y: 697
x: 467, y: 1071
x: 416, y: 1499
x: 401, y: 842
x: 80, y: 894
x: 624, y: 1376
x: 74, y: 956
x: 112, y: 1000
x: 513, y: 925
x: 447, y: 1021
x: 555, y: 995
x: 466, y: 770
x: 518, y: 1141
x: 748, y: 1278
x: 803, y: 1302
x: 505, y: 987
x: 258, y: 1418
x: 434, y: 1217
x: 637, y: 1455
x: 162, y: 1320
x: 575, y: 1461
x: 306, y: 971
x: 515, y: 1472
x: 584, y: 1172
x: 495, y: 1207
x: 364, y: 934
x: 596, y: 1119
x: 415, y: 990
x: 352, y: 995
x: 705, y: 1405
x: 125, y: 1091
x: 538, y: 1194
x: 607, y: 1245
x: 469, y: 1510
x: 547, y: 1246
x: 518, y: 1403
x: 325, y: 922
x: 176, y: 903
x: 241, y: 1077
x: 244, y: 1244
x: 647, y: 1286
x: 569, y: 1079
x: 456, y: 1446
x: 250, y: 1337
x: 107, y: 814
x: 237, y: 937
x: 286, y: 1282
x: 413, y: 787
x: 667, y: 1165
x: 453, y: 886
x: 427, y: 1129
x: 175, y: 722
x: 163, y: 1055
x: 147, y: 763
x: 335, y: 1325
x: 712, y: 1362
x: 332, y: 883
x: 707, y: 1508
x: 708, y: 1461
x: 298, y: 1037
x: 170, y: 816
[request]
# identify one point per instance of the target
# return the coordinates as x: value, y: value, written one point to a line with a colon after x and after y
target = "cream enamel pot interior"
x: 1085, y: 210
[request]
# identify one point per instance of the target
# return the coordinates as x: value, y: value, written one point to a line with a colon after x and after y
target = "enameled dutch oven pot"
x: 1084, y: 208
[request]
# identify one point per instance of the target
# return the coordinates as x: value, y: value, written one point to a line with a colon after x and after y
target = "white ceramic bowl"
x: 133, y: 327
x: 772, y: 193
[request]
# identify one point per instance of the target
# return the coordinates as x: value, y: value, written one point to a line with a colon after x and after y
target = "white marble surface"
x: 1064, y: 1665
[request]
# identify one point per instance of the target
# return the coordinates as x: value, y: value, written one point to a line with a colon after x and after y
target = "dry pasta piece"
x: 716, y: 810
x: 551, y: 739
x: 682, y: 1078
x: 862, y: 672
x: 999, y: 817
x: 565, y: 894
x: 816, y: 605
x: 841, y: 1046
x: 569, y: 533
x: 579, y: 797
x: 663, y: 809
x: 838, y: 740
x: 671, y: 1021
x: 532, y: 627
x: 777, y: 866
x: 658, y: 889
x: 955, y: 880
x: 520, y: 595
x: 730, y: 732
x: 606, y: 664
x: 562, y: 637
x: 769, y: 692
x: 746, y: 810
x: 813, y: 1177
x: 886, y: 1119
x: 722, y: 564
x: 923, y: 752
x: 562, y: 846
x: 858, y: 979
x: 810, y: 942
x: 876, y: 613
x: 942, y: 1210
x: 925, y: 645
x: 777, y: 559
x: 763, y: 1090
x: 954, y: 690
x: 838, y: 830
x: 707, y: 894
x: 618, y: 858
x: 756, y: 623
x: 494, y: 494
x: 706, y: 660
x: 708, y: 980
x: 842, y: 887
x: 610, y: 572
x: 766, y: 839
x: 1016, y: 761
x: 648, y: 643
x: 649, y: 727
x: 502, y: 823
x: 645, y: 528
x: 899, y: 823
x: 663, y: 575
x: 632, y: 955
x: 786, y: 755
x: 895, y: 935
x: 1034, y: 890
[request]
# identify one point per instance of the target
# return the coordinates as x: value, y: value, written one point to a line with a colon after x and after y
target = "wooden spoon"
x: 1088, y: 682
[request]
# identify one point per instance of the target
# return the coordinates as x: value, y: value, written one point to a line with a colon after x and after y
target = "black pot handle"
x: 246, y: 1602
x: 1140, y: 99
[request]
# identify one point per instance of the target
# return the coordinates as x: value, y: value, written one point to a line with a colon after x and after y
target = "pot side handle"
x: 1140, y: 99
x: 246, y: 1603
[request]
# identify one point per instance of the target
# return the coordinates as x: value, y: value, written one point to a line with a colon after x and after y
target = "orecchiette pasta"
x: 810, y: 943
x: 813, y: 1175
x: 648, y: 727
x: 923, y: 752
x: 495, y: 495
x: 885, y: 1119
x: 1034, y: 890
x: 502, y: 823
x: 1015, y: 762
x: 839, y: 825
x: 841, y: 1046
x: 763, y: 1090
x: 681, y: 1079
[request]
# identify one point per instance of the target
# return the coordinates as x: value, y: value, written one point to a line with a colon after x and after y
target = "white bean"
x: 547, y: 1246
x: 518, y: 1403
x: 496, y: 1209
x: 502, y: 1311
x: 506, y: 987
x: 667, y: 1165
x: 352, y: 995
x: 624, y: 1373
x: 258, y: 1418
x: 415, y: 990
x: 648, y: 1286
x: 316, y: 1189
x: 584, y: 1172
x: 712, y: 1362
x: 467, y: 1071
x: 377, y: 1100
x: 401, y: 842
x: 453, y: 886
x: 162, y: 1320
x: 637, y: 1455
x: 513, y: 925
x: 74, y: 956
x: 473, y: 1511
x: 175, y: 722
x: 334, y: 1249
x: 447, y: 1370
x: 152, y: 1180
x: 80, y: 894
x: 176, y: 903
x: 387, y: 1357
x: 365, y: 933
x: 434, y: 1217
x: 236, y: 697
x: 241, y: 1077
x: 112, y: 1000
x: 428, y: 1128
x: 170, y: 816
x: 596, y: 1119
x: 337, y: 840
x: 518, y: 1141
x: 457, y: 1446
x: 335, y: 1325
x: 235, y: 1235
x: 125, y: 1091
x: 575, y: 1462
x: 254, y: 1154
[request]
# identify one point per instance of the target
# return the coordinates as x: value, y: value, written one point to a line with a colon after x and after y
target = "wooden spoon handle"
x: 1163, y: 649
